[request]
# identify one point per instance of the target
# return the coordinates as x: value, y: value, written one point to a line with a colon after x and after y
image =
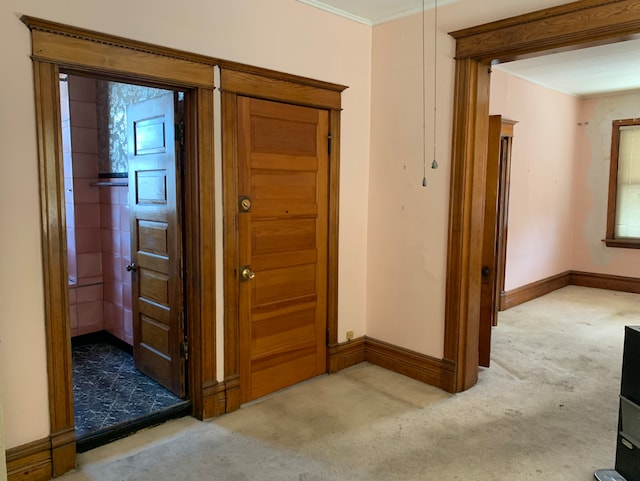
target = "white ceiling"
x: 589, y: 71
x: 373, y: 12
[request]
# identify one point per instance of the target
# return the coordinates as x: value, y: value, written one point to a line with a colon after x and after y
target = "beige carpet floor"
x: 545, y: 410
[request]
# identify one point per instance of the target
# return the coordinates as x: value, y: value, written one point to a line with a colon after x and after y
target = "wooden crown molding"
x: 40, y: 25
x: 259, y: 84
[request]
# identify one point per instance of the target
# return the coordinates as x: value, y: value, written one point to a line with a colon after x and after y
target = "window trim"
x: 611, y: 240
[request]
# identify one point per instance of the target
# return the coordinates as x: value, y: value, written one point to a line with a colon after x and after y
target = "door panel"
x: 156, y: 242
x: 283, y: 169
x: 488, y: 299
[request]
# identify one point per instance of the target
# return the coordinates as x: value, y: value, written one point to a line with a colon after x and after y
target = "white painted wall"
x: 284, y: 35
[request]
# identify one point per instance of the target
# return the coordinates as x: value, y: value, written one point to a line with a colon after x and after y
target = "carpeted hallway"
x: 545, y: 410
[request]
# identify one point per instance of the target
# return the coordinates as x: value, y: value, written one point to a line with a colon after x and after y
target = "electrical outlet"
x: 349, y: 335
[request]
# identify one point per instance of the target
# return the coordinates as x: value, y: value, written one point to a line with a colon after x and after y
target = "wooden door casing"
x: 156, y: 242
x: 283, y: 169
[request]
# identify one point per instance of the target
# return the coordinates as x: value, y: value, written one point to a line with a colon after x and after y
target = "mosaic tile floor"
x: 109, y: 390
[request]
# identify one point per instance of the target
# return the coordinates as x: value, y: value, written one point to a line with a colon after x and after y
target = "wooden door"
x: 156, y: 247
x: 283, y: 171
x: 488, y: 297
x: 494, y: 247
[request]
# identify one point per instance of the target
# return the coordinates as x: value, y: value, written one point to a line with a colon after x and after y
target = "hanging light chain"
x: 424, y: 115
x: 434, y: 164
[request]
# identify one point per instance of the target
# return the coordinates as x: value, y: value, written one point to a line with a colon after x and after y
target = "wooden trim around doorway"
x: 570, y: 26
x: 239, y: 82
x: 58, y: 47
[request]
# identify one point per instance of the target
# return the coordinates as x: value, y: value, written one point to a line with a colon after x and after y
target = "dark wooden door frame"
x: 570, y: 26
x: 239, y: 82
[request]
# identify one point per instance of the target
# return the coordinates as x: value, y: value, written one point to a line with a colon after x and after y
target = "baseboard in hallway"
x: 394, y: 358
x: 536, y: 289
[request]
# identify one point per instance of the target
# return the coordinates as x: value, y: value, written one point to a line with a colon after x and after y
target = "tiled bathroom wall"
x: 116, y: 246
x: 86, y: 293
x: 97, y: 209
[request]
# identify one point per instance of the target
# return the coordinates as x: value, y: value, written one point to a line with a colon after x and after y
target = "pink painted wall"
x: 593, y: 152
x: 541, y: 200
x: 407, y: 223
x: 559, y: 181
x: 407, y: 243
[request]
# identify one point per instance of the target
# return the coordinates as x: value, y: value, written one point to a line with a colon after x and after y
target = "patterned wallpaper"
x: 112, y: 101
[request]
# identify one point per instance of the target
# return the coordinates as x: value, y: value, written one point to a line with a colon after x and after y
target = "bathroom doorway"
x: 122, y: 188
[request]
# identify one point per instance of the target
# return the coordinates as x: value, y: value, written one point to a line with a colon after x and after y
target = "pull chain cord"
x: 424, y: 116
x: 434, y: 164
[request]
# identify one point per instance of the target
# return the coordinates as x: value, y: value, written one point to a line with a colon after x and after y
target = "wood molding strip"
x: 580, y: 22
x: 334, y: 238
x: 30, y: 462
x: 214, y: 400
x: 72, y: 52
x: 346, y: 354
x: 533, y: 290
x: 605, y: 281
x: 266, y: 87
x: 273, y: 74
x: 54, y: 241
x: 404, y: 361
x: 185, y: 62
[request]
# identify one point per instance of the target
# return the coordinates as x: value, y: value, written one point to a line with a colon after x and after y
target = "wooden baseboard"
x: 539, y: 288
x: 346, y: 354
x: 605, y: 281
x: 398, y: 359
x: 404, y: 361
x: 30, y: 462
x: 534, y: 290
x: 232, y: 394
x: 214, y: 400
x: 63, y: 450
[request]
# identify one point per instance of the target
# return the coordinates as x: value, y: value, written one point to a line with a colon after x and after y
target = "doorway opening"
x: 120, y: 215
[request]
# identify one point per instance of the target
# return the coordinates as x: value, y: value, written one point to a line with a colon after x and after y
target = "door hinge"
x: 179, y: 133
x: 329, y: 144
x: 184, y: 350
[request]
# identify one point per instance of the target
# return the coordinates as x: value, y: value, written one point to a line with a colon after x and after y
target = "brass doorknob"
x: 246, y: 274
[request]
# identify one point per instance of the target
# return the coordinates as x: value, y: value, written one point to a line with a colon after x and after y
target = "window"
x: 623, y: 217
